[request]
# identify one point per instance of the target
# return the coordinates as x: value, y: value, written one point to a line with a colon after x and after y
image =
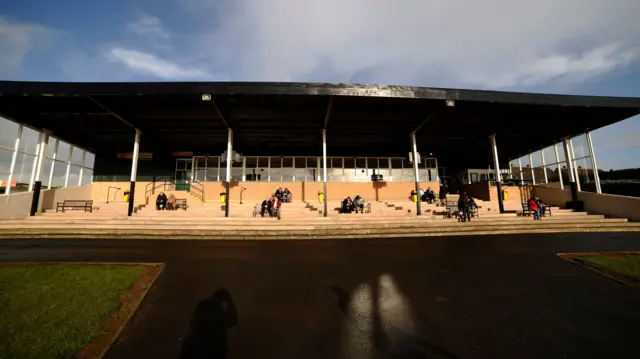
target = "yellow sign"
x: 141, y: 155
x: 183, y: 154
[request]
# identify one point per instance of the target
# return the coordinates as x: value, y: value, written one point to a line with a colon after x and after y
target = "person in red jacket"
x: 276, y: 204
x: 533, y: 207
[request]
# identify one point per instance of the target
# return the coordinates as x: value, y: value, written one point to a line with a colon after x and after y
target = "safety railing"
x: 197, y: 189
x: 163, y: 182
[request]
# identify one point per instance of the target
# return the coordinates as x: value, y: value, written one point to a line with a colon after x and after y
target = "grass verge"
x: 621, y: 266
x: 67, y: 310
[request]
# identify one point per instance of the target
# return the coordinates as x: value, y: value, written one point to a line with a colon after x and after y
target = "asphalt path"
x: 441, y: 297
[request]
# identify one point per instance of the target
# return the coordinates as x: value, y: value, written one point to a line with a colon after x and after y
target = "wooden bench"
x: 181, y: 203
x: 86, y: 205
x: 367, y: 208
x: 527, y: 212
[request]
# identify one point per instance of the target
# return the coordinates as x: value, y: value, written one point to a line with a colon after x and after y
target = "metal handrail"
x: 165, y: 182
x: 199, y: 189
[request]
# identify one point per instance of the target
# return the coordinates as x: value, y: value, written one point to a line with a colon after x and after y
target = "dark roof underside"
x: 287, y: 119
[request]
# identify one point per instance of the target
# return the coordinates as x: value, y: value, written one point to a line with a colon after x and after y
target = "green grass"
x: 624, y: 264
x: 53, y: 311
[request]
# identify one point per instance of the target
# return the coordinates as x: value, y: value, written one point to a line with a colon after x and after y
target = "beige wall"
x: 308, y: 191
x: 50, y: 197
x: 479, y: 190
x: 16, y: 205
x: 606, y: 204
x: 100, y: 189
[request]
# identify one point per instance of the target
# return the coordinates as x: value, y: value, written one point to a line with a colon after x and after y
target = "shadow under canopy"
x: 212, y: 318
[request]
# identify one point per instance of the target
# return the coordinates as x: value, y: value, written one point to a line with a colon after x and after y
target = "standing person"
x: 442, y: 195
x: 277, y: 204
x: 463, y: 207
x: 533, y: 207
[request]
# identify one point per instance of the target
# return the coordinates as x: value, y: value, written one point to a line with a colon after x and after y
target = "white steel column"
x: 544, y: 167
x: 244, y: 169
x: 416, y: 172
x: 32, y: 179
x: 324, y: 170
x: 53, y: 163
x: 66, y: 176
x: 592, y: 154
x: 555, y: 149
x: 16, y: 146
x: 520, y: 169
x: 567, y: 158
x: 229, y: 155
x: 437, y: 171
x: 84, y: 154
x: 134, y: 171
x: 496, y: 165
x: 575, y: 166
x: 268, y: 169
x: 533, y: 174
x: 390, y: 173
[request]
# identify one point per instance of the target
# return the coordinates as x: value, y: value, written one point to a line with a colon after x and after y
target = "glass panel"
x: 76, y: 156
x: 74, y: 174
x: 251, y: 162
x: 303, y: 174
x: 349, y: 162
x: 287, y: 174
x: 336, y: 162
x: 580, y: 146
x: 29, y: 140
x: 384, y: 173
x: 59, y: 172
x: 287, y: 162
x: 9, y: 133
x: 46, y: 170
x: 549, y: 155
x: 87, y: 176
x: 276, y: 162
x: 300, y: 162
x: 408, y: 176
x: 51, y: 147
x: 276, y: 174
x: 312, y: 162
x: 89, y: 159
x: 396, y: 163
x: 199, y: 174
x: 236, y: 174
x: 23, y: 168
x: 525, y: 161
x: 372, y: 163
x: 262, y: 174
x: 263, y: 162
x: 63, y: 151
x: 536, y: 157
x: 5, y: 161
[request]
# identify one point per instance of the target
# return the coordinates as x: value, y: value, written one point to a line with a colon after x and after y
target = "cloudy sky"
x: 560, y: 46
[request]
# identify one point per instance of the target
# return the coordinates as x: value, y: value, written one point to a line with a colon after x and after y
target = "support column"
x: 84, y: 153
x: 66, y: 176
x: 32, y: 179
x: 16, y: 146
x: 416, y: 173
x: 53, y: 164
x: 575, y: 166
x: 494, y: 149
x: 134, y: 172
x: 572, y: 180
x: 42, y: 153
x: 533, y: 173
x: 244, y: 169
x: 555, y: 149
x: 437, y: 171
x: 324, y: 171
x: 544, y: 167
x: 520, y: 169
x: 592, y: 154
x: 228, y: 174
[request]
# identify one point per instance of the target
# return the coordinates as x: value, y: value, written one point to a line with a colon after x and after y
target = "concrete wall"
x: 16, y: 205
x: 480, y: 190
x: 610, y: 205
x: 50, y: 197
x: 514, y: 193
x: 308, y: 191
x: 101, y: 189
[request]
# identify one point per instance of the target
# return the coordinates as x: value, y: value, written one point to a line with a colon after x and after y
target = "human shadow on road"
x: 393, y: 341
x: 212, y: 318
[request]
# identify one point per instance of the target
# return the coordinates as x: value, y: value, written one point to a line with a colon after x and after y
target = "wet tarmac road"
x: 446, y: 297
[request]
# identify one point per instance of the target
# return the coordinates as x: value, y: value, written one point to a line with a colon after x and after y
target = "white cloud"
x: 486, y: 44
x: 16, y: 40
x: 149, y: 27
x: 149, y: 64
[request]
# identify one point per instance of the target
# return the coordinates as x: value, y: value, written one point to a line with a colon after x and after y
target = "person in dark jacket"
x: 463, y: 207
x: 264, y: 207
x: 443, y: 195
x: 347, y: 205
x: 161, y: 201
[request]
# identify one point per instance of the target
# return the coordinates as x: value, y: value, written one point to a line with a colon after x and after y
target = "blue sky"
x: 560, y: 46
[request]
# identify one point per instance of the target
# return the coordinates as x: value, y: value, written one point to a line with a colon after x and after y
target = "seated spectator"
x: 286, y: 196
x: 443, y: 195
x: 421, y: 193
x: 541, y: 207
x: 172, y: 202
x: 472, y: 206
x: 264, y: 207
x: 161, y: 201
x: 347, y: 205
x: 431, y: 196
x: 276, y: 204
x: 358, y: 203
x: 533, y: 207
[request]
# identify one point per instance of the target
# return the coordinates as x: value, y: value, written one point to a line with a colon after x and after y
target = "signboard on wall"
x: 183, y: 154
x: 141, y: 155
x: 14, y: 183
